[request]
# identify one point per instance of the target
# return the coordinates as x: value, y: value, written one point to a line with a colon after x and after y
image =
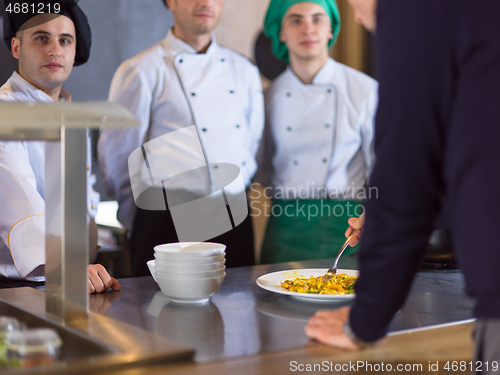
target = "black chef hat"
x: 14, y: 19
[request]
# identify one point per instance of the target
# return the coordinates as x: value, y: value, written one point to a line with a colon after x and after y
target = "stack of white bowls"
x: 189, y: 272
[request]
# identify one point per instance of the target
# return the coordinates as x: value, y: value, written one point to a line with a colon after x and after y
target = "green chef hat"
x: 276, y: 12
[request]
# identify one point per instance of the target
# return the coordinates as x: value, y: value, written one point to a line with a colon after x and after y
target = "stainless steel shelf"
x: 94, y: 344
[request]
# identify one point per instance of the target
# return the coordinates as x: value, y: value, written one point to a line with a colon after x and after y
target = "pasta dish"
x: 339, y: 284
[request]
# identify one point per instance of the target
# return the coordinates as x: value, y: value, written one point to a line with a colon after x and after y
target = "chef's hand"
x: 100, y: 281
x: 355, y: 223
x: 328, y: 328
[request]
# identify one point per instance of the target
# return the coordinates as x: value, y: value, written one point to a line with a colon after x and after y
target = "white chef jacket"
x: 22, y: 185
x: 170, y: 87
x: 318, y: 138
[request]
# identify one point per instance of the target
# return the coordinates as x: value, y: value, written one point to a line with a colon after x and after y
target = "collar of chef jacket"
x: 25, y: 91
x: 325, y: 76
x: 180, y: 46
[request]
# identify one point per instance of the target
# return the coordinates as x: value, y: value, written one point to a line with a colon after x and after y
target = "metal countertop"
x: 242, y: 319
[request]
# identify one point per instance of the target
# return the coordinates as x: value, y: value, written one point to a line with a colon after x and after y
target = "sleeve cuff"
x: 365, y: 325
x: 27, y: 244
x: 355, y: 339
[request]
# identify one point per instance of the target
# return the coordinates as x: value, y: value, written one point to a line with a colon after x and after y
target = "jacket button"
x: 288, y: 94
x: 295, y: 162
x: 232, y: 91
x: 327, y: 126
x: 222, y: 60
x: 204, y: 129
x: 88, y: 168
x: 243, y: 163
x: 181, y: 61
x: 289, y: 129
x: 329, y: 91
x: 193, y: 94
x: 238, y: 126
x: 324, y: 160
x: 216, y: 166
x: 92, y: 206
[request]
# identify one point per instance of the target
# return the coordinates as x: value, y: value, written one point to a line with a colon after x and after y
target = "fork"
x: 330, y: 274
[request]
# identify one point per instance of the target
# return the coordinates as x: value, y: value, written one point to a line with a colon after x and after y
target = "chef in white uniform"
x: 186, y: 81
x: 319, y: 130
x: 47, y: 46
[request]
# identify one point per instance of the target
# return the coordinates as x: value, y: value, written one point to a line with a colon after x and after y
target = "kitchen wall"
x: 122, y: 28
x: 240, y: 24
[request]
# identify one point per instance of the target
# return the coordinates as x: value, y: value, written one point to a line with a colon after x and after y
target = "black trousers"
x: 152, y: 228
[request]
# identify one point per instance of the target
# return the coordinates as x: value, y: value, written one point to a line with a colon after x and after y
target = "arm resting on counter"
x: 328, y: 328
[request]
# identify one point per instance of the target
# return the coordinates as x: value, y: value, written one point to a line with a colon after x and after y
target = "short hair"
x: 19, y: 35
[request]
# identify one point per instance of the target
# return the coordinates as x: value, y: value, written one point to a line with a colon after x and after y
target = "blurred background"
x: 123, y: 28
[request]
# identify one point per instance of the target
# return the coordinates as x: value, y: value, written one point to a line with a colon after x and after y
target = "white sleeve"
x: 22, y: 213
x: 368, y: 130
x: 93, y: 198
x: 130, y: 89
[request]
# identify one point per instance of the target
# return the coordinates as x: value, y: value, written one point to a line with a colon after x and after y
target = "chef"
x: 47, y: 46
x: 191, y: 85
x: 317, y: 152
x: 437, y: 136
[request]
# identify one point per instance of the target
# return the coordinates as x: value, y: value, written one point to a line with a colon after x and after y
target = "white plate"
x: 272, y: 281
x: 285, y: 307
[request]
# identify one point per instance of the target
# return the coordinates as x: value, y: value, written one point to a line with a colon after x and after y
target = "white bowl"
x: 151, y: 266
x: 190, y: 290
x: 189, y: 261
x: 182, y: 250
x: 191, y: 267
x: 190, y: 275
x: 193, y: 271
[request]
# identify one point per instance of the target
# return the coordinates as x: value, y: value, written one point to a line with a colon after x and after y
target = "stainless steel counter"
x: 243, y: 319
x: 97, y: 343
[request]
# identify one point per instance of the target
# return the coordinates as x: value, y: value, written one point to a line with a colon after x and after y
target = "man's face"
x: 365, y: 13
x: 196, y: 17
x: 46, y: 52
x: 306, y: 30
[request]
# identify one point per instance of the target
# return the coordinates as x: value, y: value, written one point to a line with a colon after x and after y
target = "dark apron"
x: 307, y: 229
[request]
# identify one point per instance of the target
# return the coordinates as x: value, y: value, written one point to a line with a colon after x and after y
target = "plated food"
x: 273, y: 283
x: 339, y: 284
